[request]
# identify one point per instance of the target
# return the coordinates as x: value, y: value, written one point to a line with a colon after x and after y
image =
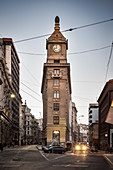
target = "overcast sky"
x: 22, y: 19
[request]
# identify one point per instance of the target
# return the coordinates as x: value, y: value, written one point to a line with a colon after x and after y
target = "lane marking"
x: 109, y: 160
x: 78, y: 160
x: 11, y: 166
x: 43, y: 155
x: 58, y: 157
x: 69, y: 165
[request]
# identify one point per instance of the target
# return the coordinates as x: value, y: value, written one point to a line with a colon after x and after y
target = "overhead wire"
x: 109, y: 59
x: 31, y: 95
x: 88, y: 82
x: 30, y: 72
x: 88, y: 25
x: 30, y: 83
x: 86, y: 51
x: 71, y: 29
x: 80, y: 52
x: 30, y: 89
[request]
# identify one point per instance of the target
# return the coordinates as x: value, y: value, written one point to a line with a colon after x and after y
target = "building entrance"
x: 56, y: 137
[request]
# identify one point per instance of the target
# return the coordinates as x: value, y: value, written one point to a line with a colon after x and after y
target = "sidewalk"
x: 10, y: 147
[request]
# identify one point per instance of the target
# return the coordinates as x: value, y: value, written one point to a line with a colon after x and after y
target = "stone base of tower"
x: 56, y: 135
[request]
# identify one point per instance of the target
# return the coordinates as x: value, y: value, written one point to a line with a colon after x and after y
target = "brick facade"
x: 56, y: 90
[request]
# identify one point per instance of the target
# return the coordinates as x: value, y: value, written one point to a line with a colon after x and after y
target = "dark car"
x: 44, y: 148
x: 94, y: 149
x: 54, y: 149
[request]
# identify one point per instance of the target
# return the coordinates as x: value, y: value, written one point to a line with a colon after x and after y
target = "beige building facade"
x: 56, y: 89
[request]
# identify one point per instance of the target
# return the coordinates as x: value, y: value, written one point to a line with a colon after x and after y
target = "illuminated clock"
x: 56, y: 48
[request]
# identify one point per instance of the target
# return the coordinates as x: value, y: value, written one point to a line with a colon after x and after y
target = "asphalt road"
x: 29, y: 158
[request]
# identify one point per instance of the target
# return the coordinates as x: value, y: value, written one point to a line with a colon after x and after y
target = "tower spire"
x: 57, y: 20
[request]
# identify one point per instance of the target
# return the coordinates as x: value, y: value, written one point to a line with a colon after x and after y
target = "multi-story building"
x: 74, y: 124
x: 40, y: 124
x: 105, y: 128
x: 21, y: 123
x: 93, y: 113
x: 93, y: 124
x: 56, y: 89
x: 84, y: 130
x: 10, y: 77
x: 28, y: 125
x: 31, y: 127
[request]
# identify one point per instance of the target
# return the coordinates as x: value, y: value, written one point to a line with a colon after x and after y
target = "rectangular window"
x: 56, y: 71
x: 56, y: 61
x: 56, y: 94
x: 56, y: 106
x: 56, y: 82
x: 55, y: 120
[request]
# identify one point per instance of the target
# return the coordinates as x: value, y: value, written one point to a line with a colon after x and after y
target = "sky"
x: 23, y: 19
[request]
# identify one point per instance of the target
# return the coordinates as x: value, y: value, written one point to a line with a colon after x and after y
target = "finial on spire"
x: 57, y: 20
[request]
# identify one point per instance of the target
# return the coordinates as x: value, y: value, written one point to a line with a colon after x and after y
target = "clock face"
x: 56, y: 48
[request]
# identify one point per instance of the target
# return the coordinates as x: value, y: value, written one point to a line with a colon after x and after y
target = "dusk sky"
x: 22, y: 19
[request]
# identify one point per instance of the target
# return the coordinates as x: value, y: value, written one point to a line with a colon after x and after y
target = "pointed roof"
x: 57, y: 35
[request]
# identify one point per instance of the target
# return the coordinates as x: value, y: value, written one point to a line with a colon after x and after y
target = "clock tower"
x: 56, y: 90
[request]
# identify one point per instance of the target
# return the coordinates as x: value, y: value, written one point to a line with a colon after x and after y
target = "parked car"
x: 44, y: 148
x: 55, y: 149
x: 94, y: 149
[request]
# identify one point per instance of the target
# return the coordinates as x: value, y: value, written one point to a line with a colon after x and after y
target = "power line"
x: 30, y: 53
x: 32, y: 38
x: 30, y: 89
x: 87, y: 81
x: 86, y: 51
x: 80, y: 52
x: 30, y: 72
x: 31, y: 95
x: 88, y: 25
x: 109, y: 61
x: 71, y: 29
x: 30, y: 83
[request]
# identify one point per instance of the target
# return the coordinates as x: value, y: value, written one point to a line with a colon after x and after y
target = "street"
x: 30, y: 158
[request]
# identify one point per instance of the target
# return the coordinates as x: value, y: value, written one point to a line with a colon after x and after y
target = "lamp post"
x: 80, y: 116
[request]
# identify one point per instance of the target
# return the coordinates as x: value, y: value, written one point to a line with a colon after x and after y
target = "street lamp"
x: 12, y: 95
x: 80, y: 116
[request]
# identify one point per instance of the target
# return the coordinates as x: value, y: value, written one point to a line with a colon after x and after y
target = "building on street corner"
x: 9, y: 108
x: 56, y: 90
x: 105, y: 127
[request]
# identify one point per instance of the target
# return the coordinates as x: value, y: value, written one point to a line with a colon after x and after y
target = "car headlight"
x: 84, y: 147
x: 77, y: 147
